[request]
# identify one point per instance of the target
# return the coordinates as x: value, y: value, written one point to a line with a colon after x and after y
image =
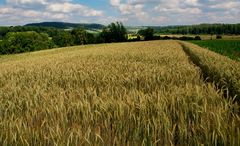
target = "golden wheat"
x: 144, y: 93
x: 221, y: 69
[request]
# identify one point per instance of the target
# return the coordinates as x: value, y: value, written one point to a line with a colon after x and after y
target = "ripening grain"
x: 221, y: 69
x: 145, y: 93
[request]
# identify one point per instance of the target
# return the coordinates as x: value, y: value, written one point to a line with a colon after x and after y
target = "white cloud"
x: 192, y: 2
x: 226, y: 5
x: 155, y: 11
x: 179, y: 6
x: 131, y: 12
x: 5, y: 10
x: 142, y: 1
x: 115, y: 2
x: 160, y: 19
x: 130, y: 9
x: 26, y: 11
x: 178, y: 10
x: 73, y: 8
x: 22, y: 2
x: 30, y: 14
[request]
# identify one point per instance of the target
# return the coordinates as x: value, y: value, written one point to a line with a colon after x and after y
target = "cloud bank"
x: 131, y: 12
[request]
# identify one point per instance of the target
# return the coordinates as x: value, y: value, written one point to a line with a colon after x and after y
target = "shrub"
x: 218, y: 37
x: 147, y: 33
x: 186, y: 38
x: 156, y: 37
x: 197, y: 38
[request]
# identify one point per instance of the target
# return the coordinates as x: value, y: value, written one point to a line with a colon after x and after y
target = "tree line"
x: 32, y: 38
x: 18, y: 42
x: 218, y: 29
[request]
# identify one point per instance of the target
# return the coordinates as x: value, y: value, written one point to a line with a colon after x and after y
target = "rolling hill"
x: 65, y: 25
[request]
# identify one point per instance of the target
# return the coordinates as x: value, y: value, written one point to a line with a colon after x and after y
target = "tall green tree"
x: 82, y: 37
x: 147, y: 33
x: 63, y: 39
x: 114, y: 32
x: 90, y: 38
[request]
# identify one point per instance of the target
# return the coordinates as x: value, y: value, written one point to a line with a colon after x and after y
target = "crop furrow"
x: 214, y: 74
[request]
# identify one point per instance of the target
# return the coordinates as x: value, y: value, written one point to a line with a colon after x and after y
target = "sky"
x: 130, y: 12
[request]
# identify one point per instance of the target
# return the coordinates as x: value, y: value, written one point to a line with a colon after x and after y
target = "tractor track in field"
x: 228, y: 92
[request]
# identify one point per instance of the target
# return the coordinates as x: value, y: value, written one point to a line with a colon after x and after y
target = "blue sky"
x: 130, y: 12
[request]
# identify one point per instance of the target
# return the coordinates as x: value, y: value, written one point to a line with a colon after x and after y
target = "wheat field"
x: 124, y: 94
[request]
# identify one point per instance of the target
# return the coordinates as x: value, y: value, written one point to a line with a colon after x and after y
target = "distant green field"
x: 230, y: 48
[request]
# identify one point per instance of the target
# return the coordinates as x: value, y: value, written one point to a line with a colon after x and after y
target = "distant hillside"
x: 64, y: 25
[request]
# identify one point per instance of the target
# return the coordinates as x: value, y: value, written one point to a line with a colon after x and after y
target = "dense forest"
x: 229, y: 29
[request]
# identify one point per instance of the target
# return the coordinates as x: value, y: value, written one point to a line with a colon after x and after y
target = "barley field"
x: 123, y: 94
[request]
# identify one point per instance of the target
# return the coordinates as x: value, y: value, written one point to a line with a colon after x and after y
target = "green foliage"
x: 1, y: 48
x: 3, y: 32
x: 82, y: 37
x: 50, y: 31
x: 90, y: 39
x: 147, y: 33
x: 64, y: 25
x: 230, y: 48
x: 201, y: 29
x: 63, y: 39
x: 183, y: 38
x: 79, y: 36
x: 18, y: 42
x: 20, y: 39
x: 115, y: 32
